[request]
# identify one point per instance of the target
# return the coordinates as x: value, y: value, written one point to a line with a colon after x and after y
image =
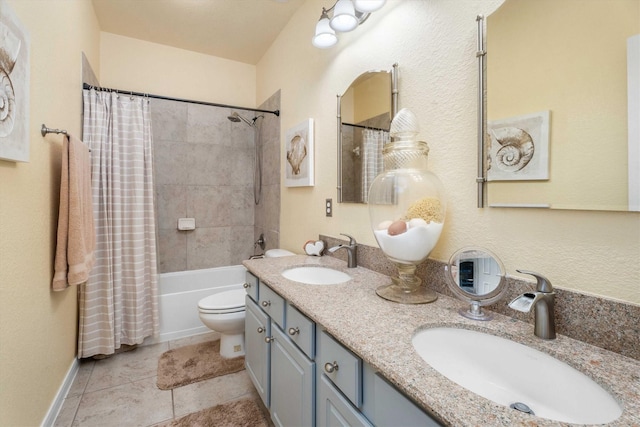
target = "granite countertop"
x: 380, y: 332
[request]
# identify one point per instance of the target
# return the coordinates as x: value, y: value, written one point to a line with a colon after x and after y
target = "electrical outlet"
x: 328, y: 207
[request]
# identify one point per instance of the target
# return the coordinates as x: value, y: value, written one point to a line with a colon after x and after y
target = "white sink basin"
x: 316, y: 275
x: 507, y: 372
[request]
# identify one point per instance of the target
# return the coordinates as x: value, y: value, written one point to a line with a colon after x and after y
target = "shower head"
x: 236, y: 118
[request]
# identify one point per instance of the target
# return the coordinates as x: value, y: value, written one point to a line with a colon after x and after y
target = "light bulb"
x: 344, y: 16
x: 368, y: 6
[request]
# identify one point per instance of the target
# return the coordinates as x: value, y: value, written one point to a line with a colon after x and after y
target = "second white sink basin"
x: 316, y: 275
x: 509, y: 373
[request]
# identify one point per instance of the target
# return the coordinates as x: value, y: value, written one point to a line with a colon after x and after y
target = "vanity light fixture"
x: 325, y: 36
x: 346, y: 16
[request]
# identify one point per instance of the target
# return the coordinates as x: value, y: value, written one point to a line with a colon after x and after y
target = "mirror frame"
x: 394, y: 111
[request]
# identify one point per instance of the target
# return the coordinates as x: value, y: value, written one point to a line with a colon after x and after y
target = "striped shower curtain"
x: 119, y: 303
x: 372, y: 143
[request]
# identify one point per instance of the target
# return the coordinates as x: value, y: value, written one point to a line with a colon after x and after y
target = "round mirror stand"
x: 477, y: 276
x: 475, y: 312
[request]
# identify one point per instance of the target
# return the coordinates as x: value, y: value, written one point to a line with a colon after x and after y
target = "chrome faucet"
x: 543, y: 299
x: 352, y: 251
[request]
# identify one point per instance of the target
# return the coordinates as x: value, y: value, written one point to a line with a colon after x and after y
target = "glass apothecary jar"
x: 407, y: 210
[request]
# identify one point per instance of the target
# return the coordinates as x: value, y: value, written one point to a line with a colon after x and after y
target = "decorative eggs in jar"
x: 407, y: 210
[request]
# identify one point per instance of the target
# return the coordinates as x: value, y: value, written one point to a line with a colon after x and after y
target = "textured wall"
x: 37, y: 326
x: 434, y: 43
x: 149, y: 67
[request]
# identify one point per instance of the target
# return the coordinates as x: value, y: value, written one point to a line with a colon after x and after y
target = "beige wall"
x: 38, y: 327
x: 141, y: 66
x: 434, y: 43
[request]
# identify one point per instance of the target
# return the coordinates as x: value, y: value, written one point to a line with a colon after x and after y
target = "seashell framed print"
x: 299, y: 167
x: 519, y: 148
x: 14, y: 87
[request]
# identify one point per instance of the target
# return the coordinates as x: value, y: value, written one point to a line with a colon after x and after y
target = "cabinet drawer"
x: 301, y: 330
x: 272, y: 304
x: 251, y: 285
x: 334, y: 410
x: 342, y: 367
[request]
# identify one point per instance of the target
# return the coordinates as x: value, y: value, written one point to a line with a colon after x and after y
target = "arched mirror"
x: 365, y: 111
x: 563, y: 105
x: 476, y: 276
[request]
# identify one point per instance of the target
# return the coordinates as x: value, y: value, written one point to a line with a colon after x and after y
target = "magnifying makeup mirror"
x: 477, y: 276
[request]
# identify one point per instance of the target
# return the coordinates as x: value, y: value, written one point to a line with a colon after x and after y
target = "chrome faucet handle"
x: 542, y: 283
x: 352, y: 240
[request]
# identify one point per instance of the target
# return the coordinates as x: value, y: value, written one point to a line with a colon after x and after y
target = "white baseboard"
x: 57, y: 403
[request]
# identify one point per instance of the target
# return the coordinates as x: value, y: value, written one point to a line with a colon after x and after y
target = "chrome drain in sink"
x: 519, y: 406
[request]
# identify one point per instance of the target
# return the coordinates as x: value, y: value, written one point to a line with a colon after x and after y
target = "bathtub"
x: 179, y: 293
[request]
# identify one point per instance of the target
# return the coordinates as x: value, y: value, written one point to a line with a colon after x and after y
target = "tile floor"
x: 121, y: 390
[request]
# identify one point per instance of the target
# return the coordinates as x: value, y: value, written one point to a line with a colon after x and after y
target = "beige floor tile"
x: 138, y: 403
x: 82, y: 378
x: 196, y: 339
x: 126, y: 367
x: 68, y: 411
x: 205, y: 394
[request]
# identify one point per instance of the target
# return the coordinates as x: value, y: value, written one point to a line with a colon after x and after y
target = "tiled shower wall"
x: 203, y: 166
x: 267, y: 213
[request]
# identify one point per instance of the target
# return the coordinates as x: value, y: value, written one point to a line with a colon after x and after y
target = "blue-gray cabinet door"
x: 334, y: 410
x: 292, y: 383
x: 256, y: 359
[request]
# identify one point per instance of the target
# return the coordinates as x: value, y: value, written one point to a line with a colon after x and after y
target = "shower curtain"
x: 119, y: 303
x: 372, y: 143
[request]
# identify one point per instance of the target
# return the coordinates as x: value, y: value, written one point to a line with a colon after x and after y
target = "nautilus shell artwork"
x: 516, y: 149
x: 296, y: 153
x: 9, y: 49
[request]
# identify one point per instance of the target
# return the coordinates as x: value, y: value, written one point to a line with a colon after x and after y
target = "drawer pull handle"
x: 269, y: 339
x: 266, y: 303
x: 293, y: 331
x: 331, y: 367
x: 260, y: 329
x: 246, y: 285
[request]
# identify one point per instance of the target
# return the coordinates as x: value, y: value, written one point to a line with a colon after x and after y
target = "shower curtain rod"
x: 363, y: 127
x: 168, y: 98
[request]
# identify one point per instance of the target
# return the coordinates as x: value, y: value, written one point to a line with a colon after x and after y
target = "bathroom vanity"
x: 306, y: 377
x: 340, y: 355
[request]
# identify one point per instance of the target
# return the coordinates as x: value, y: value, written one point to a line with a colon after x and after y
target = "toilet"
x: 224, y: 312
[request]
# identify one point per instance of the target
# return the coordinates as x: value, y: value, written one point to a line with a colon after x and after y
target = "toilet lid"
x: 224, y: 301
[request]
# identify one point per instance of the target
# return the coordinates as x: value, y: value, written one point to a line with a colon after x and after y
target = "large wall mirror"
x: 562, y: 102
x: 365, y: 111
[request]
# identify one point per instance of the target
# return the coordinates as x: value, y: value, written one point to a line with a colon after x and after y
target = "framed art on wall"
x: 519, y: 148
x: 299, y: 167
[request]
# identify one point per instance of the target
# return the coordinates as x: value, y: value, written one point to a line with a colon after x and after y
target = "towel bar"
x: 44, y: 130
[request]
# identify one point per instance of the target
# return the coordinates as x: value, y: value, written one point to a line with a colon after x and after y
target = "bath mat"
x: 243, y: 412
x: 193, y: 363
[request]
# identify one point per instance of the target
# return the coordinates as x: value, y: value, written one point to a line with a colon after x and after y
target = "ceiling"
x: 239, y: 30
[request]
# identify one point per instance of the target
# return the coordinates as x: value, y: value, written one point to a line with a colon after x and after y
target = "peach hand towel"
x: 76, y: 234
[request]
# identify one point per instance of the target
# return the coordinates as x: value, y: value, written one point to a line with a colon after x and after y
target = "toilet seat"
x: 223, y: 302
